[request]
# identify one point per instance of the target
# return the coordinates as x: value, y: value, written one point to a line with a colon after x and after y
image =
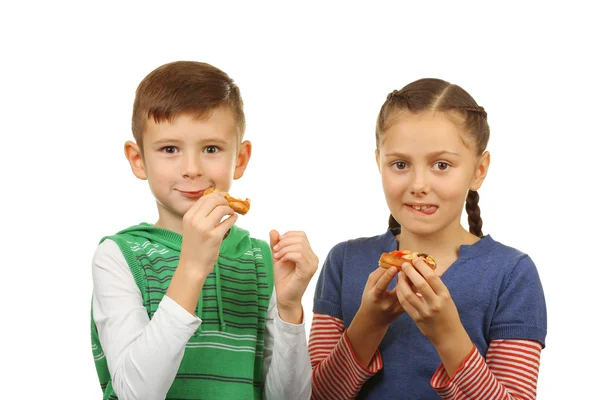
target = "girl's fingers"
x: 409, y: 298
x: 418, y: 281
x: 384, y: 281
x: 374, y: 277
x: 433, y: 280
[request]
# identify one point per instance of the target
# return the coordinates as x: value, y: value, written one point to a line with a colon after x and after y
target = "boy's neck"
x: 171, y: 223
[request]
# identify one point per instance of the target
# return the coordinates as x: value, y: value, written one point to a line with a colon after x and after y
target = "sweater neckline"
x: 466, y: 251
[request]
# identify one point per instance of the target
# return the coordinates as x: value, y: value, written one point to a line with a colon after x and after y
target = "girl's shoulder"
x: 495, y: 255
x: 372, y: 244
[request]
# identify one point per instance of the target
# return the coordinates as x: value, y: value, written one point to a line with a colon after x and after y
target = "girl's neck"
x: 444, y: 244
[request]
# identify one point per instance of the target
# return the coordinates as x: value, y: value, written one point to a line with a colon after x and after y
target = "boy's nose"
x: 191, y: 167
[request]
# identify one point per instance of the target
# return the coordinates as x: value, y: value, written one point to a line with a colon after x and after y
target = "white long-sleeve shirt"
x: 144, y: 355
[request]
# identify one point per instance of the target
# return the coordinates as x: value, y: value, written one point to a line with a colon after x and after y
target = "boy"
x: 192, y: 307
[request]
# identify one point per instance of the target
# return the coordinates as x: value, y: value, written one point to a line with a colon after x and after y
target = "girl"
x: 477, y: 325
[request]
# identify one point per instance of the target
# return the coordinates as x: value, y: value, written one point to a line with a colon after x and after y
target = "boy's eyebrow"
x: 432, y: 154
x: 166, y: 140
x: 205, y: 140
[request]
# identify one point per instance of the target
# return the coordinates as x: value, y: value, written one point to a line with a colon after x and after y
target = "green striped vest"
x: 223, y: 359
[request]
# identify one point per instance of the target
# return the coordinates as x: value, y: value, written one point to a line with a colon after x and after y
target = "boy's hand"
x: 294, y: 264
x: 203, y: 232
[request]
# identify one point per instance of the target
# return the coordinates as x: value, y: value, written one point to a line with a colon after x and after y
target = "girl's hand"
x: 379, y: 305
x: 433, y: 311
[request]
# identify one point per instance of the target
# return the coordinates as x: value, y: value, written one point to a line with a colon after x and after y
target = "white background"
x: 313, y: 76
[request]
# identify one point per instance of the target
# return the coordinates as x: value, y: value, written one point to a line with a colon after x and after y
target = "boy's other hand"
x: 294, y: 264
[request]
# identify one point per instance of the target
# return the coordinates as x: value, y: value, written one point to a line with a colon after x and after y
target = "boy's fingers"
x: 226, y: 225
x: 273, y: 237
x: 214, y: 218
x: 206, y: 204
x: 295, y: 234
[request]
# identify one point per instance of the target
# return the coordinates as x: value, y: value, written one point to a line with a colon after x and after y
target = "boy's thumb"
x: 273, y: 237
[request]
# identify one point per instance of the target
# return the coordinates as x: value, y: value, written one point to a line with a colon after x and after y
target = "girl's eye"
x: 400, y: 165
x: 442, y: 166
x: 170, y: 149
x: 211, y: 149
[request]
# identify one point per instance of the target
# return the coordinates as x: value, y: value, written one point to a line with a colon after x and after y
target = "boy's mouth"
x: 196, y: 194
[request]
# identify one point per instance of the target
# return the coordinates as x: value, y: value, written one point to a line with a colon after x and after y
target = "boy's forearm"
x: 185, y: 287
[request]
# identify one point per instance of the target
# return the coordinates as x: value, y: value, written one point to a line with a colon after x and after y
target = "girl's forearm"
x: 365, y: 338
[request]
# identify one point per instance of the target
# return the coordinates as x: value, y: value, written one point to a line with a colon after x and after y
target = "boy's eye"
x: 211, y: 149
x: 170, y: 149
x: 400, y: 165
x: 442, y: 166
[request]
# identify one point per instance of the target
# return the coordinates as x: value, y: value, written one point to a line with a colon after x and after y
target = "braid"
x: 475, y: 222
x: 477, y: 109
x: 393, y: 94
x: 392, y: 223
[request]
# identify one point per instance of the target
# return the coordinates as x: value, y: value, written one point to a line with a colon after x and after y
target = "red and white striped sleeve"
x: 337, y: 374
x: 509, y: 371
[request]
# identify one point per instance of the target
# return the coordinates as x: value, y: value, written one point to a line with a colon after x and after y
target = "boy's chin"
x: 173, y: 210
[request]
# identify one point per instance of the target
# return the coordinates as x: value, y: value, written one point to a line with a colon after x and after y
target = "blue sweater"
x: 496, y: 289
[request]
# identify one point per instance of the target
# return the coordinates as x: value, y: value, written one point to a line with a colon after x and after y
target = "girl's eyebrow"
x: 432, y: 154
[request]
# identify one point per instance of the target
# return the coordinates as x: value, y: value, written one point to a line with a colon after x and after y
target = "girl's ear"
x: 481, y: 171
x: 377, y: 160
x: 136, y: 161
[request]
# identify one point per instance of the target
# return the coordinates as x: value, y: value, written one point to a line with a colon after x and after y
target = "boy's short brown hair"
x: 184, y: 87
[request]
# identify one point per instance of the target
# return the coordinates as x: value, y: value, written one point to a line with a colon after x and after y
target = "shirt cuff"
x: 442, y: 383
x: 375, y: 365
x: 289, y: 327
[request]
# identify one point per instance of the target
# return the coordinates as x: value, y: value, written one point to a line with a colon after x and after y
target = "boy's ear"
x: 136, y: 161
x: 481, y: 171
x: 242, y: 159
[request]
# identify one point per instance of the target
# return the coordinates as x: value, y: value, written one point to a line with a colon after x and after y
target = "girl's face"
x: 427, y: 167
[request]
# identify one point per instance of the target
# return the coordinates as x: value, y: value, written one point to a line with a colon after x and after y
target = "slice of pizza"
x: 239, y: 206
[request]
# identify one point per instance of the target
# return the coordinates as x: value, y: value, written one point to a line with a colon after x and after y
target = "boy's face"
x: 184, y: 157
